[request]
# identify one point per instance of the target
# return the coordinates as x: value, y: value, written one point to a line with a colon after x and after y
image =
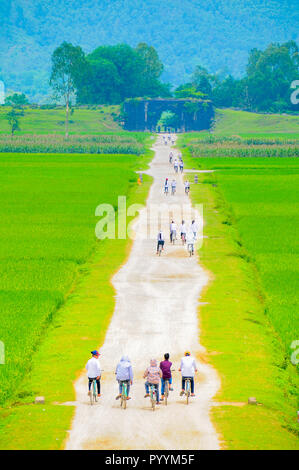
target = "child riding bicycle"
x: 188, y: 369
x: 124, y: 373
x: 165, y: 367
x: 94, y: 371
x: 152, y: 374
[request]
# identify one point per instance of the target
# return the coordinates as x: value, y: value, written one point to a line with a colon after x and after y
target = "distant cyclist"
x: 173, y: 187
x: 194, y: 228
x: 188, y: 369
x: 181, y: 166
x: 187, y: 187
x: 124, y: 373
x: 160, y: 241
x: 166, y: 186
x: 190, y: 240
x: 176, y: 166
x: 170, y: 157
x: 165, y: 367
x: 152, y: 374
x: 172, y: 231
x: 94, y: 371
x: 183, y: 230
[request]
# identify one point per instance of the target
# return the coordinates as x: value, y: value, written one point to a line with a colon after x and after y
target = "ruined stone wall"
x: 142, y: 115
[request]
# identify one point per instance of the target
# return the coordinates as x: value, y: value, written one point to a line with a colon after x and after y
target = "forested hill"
x: 217, y: 34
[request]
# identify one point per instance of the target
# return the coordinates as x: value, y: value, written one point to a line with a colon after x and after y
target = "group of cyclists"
x: 154, y: 375
x: 178, y: 164
x: 167, y: 139
x: 188, y: 235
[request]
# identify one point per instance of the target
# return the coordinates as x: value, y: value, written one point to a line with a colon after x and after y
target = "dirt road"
x: 156, y: 312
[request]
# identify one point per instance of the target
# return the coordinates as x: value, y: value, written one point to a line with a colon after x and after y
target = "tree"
x: 114, y: 73
x: 68, y: 65
x: 13, y: 118
x: 188, y: 91
x: 169, y: 119
x: 16, y: 100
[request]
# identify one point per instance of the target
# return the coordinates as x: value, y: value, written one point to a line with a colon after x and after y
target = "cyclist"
x: 188, y: 369
x: 173, y: 187
x: 176, y: 166
x: 160, y: 240
x: 194, y: 228
x: 181, y: 166
x: 190, y: 239
x: 166, y: 186
x: 94, y: 371
x: 187, y: 187
x: 172, y: 231
x: 152, y: 374
x: 170, y: 157
x: 124, y: 373
x: 183, y: 230
x: 165, y: 367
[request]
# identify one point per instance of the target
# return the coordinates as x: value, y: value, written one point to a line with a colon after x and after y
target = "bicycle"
x: 187, y: 190
x: 153, y: 396
x: 187, y: 390
x: 173, y: 236
x: 124, y: 394
x: 166, y: 389
x: 93, y: 394
x: 190, y: 249
x: 173, y: 189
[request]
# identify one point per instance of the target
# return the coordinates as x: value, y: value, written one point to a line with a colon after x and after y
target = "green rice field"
x: 47, y: 233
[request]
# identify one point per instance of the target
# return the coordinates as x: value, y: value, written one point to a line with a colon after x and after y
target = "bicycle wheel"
x: 90, y: 395
x: 188, y: 392
x: 166, y: 392
x: 95, y: 397
x: 153, y: 399
x: 125, y: 396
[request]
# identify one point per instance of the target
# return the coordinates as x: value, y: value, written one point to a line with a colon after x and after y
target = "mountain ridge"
x: 217, y: 34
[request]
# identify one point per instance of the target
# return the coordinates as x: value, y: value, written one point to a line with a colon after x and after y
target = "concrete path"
x: 156, y: 312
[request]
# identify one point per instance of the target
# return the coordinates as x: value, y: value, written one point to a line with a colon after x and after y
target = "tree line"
x: 111, y: 74
x: 266, y: 87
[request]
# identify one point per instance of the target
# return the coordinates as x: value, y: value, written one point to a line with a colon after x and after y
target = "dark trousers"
x: 191, y: 381
x: 90, y: 379
x: 160, y: 242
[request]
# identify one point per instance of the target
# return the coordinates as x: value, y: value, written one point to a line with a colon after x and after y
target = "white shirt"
x: 194, y: 227
x: 173, y: 183
x: 183, y: 228
x: 93, y: 368
x: 190, y: 238
x: 172, y: 227
x: 175, y: 163
x: 160, y: 236
x: 188, y: 366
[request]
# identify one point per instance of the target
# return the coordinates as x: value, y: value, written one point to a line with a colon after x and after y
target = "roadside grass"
x: 237, y: 327
x: 49, y: 121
